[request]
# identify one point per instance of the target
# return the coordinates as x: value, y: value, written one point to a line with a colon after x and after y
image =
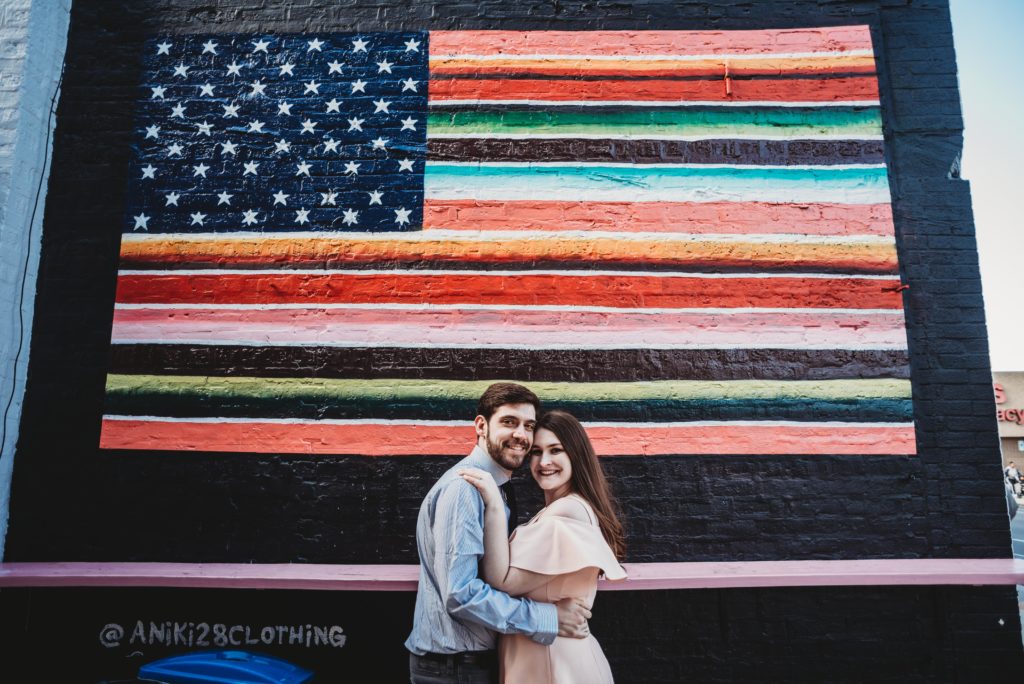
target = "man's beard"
x: 506, y: 459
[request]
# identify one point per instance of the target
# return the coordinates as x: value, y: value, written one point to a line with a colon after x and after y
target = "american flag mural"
x: 334, y: 242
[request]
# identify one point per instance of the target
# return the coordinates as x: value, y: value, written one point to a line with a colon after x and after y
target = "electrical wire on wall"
x: 21, y: 332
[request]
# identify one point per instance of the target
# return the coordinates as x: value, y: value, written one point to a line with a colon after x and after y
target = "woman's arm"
x: 496, y: 569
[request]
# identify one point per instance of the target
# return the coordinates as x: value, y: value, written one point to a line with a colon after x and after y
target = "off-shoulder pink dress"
x: 573, y: 552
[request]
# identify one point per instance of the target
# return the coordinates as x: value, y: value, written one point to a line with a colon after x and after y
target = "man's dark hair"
x: 501, y: 393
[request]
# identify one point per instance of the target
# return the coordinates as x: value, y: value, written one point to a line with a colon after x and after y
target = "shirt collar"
x: 478, y: 458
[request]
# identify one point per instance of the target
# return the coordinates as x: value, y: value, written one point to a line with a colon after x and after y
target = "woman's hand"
x: 484, y: 483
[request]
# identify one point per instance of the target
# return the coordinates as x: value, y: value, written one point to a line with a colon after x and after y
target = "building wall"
x: 75, y: 501
x: 1009, y: 390
x: 32, y: 40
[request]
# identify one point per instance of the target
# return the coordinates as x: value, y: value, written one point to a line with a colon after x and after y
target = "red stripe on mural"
x: 652, y: 71
x: 519, y: 289
x: 788, y: 90
x: 639, y: 43
x: 441, y: 440
x: 665, y: 217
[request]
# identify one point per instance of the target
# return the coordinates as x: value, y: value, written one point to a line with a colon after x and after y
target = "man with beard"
x: 458, y: 615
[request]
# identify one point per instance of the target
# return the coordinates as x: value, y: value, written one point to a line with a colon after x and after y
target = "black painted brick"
x: 72, y: 502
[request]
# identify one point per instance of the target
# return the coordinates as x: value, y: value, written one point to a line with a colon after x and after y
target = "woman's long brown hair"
x: 588, y: 478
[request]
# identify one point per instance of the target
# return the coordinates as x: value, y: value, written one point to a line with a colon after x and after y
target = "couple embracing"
x: 534, y: 588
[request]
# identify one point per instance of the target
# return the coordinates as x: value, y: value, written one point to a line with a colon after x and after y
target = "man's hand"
x: 572, y: 619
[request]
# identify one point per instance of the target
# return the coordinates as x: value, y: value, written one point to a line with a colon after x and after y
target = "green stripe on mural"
x: 326, y: 389
x: 721, y: 121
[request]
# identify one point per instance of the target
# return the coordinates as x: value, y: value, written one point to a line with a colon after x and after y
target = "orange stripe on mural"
x: 638, y: 43
x: 519, y: 289
x: 667, y: 217
x: 570, y: 66
x: 334, y: 250
x: 390, y: 439
x: 657, y: 90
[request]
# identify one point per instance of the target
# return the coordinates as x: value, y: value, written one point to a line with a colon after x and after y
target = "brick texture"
x: 72, y: 501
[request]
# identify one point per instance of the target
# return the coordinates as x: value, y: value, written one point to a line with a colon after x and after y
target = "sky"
x: 988, y: 46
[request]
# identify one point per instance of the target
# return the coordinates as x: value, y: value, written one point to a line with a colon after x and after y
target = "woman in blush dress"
x: 560, y: 553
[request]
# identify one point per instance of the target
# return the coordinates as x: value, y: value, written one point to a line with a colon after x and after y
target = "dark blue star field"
x: 280, y: 133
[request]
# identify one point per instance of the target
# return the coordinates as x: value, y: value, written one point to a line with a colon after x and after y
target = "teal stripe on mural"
x: 858, y: 184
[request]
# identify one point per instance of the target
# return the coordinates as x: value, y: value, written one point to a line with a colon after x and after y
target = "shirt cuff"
x: 547, y: 627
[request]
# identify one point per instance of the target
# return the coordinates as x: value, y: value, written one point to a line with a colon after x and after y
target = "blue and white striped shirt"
x: 455, y: 609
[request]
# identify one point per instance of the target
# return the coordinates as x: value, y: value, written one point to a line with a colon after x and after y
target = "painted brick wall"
x: 32, y: 43
x: 72, y: 501
x: 942, y: 502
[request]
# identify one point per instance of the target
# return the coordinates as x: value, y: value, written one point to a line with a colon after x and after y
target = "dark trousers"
x: 480, y: 667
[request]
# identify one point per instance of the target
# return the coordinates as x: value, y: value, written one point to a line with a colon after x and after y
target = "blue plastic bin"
x: 224, y: 667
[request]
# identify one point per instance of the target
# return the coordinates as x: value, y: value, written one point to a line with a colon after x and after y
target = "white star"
x: 174, y: 150
x: 314, y: 44
x: 172, y: 198
x: 355, y: 124
x: 359, y: 86
x: 308, y: 126
x: 335, y: 67
x: 381, y: 106
x: 405, y: 165
x: 250, y: 167
x: 351, y: 217
x: 224, y: 198
x: 198, y: 217
x: 260, y: 46
x: 181, y: 70
x: 301, y: 216
x: 331, y: 145
x: 312, y: 87
x: 206, y: 90
x: 328, y: 197
x: 255, y: 126
x: 200, y: 170
x: 375, y: 197
x: 149, y: 171
x: 302, y: 169
x: 287, y: 69
x: 413, y: 45
x: 230, y: 111
x: 153, y: 132
x: 227, y: 147
x: 379, y: 143
x: 249, y: 217
x: 210, y: 46
x: 384, y: 66
x: 234, y: 69
x: 281, y: 198
x: 284, y: 108
x: 204, y: 128
x: 359, y: 45
x: 352, y: 167
x: 163, y: 48
x: 178, y: 111
x: 282, y: 145
x: 140, y: 222
x: 333, y: 106
x: 158, y: 91
x: 402, y: 215
x: 409, y: 124
x: 409, y: 84
x: 258, y: 88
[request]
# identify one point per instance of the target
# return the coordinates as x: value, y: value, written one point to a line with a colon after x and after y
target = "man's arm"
x: 458, y: 532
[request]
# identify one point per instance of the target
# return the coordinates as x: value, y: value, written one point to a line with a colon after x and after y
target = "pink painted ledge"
x: 642, y: 576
